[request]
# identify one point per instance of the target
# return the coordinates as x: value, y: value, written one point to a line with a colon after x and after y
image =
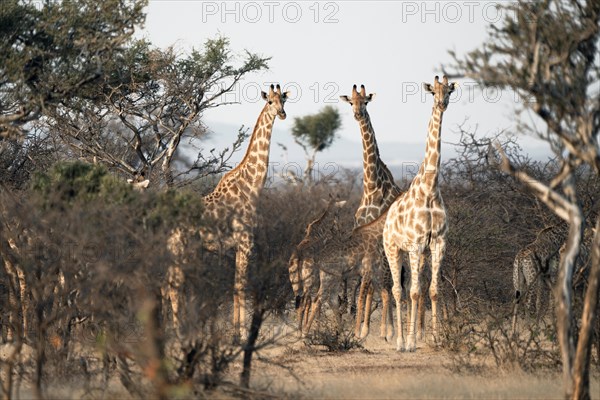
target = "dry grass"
x: 377, y: 371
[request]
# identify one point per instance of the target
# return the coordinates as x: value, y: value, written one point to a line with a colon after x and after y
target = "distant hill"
x: 403, y: 159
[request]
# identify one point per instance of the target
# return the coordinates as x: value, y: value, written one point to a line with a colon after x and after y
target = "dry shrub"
x: 332, y: 337
x: 484, y: 332
x: 94, y: 258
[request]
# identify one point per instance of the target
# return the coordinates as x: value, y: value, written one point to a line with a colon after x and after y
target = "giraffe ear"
x: 346, y: 99
x: 285, y: 95
x: 370, y: 97
x: 453, y: 86
x: 264, y: 96
x: 427, y: 87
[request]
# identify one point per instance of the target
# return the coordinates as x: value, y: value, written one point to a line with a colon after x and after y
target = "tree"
x: 106, y: 97
x: 55, y: 53
x: 148, y: 101
x: 546, y: 52
x: 315, y: 133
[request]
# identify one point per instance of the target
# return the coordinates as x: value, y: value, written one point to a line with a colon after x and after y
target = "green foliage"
x: 103, y: 92
x: 172, y: 207
x: 68, y: 183
x: 317, y: 130
x: 72, y: 181
x: 55, y: 53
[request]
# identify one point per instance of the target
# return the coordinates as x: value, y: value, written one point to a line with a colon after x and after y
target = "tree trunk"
x: 308, y: 172
x: 151, y: 351
x: 581, y: 368
x: 564, y: 299
x: 257, y: 320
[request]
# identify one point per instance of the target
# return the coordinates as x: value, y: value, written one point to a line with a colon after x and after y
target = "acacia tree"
x: 104, y: 97
x: 546, y: 52
x: 52, y: 53
x: 136, y: 117
x: 315, y: 133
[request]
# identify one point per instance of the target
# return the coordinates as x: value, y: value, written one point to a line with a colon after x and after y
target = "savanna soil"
x: 378, y: 371
x: 292, y: 369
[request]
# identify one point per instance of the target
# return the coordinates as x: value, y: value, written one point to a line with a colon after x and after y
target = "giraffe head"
x: 276, y: 100
x: 441, y: 91
x: 359, y: 101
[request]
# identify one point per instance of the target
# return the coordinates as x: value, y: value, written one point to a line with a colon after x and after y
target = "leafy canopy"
x: 317, y: 130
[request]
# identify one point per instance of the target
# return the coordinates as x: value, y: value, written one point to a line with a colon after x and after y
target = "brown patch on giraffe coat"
x: 418, y: 202
x: 410, y: 235
x: 410, y: 213
x: 429, y: 179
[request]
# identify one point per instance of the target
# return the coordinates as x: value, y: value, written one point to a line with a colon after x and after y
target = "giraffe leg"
x: 437, y: 256
x: 174, y: 283
x: 364, y: 300
x: 421, y: 305
x: 316, y: 300
x: 390, y: 318
x: 16, y: 323
x: 387, y: 318
x: 392, y: 254
x: 519, y: 286
x: 539, y: 311
x: 24, y: 300
x: 385, y: 305
x: 515, y: 312
x: 300, y: 300
x: 415, y: 292
x: 387, y: 326
x: 420, y: 331
x: 239, y: 291
x: 360, y: 305
x: 303, y: 312
x: 367, y: 319
x: 313, y: 312
x: 13, y: 318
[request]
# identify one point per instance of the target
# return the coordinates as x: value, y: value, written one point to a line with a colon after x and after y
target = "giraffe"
x: 338, y: 257
x: 379, y: 189
x: 535, y: 267
x: 303, y: 274
x: 231, y: 210
x: 417, y: 220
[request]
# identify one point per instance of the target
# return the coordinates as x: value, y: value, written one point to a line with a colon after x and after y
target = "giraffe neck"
x: 429, y: 170
x: 370, y: 154
x: 252, y: 170
x: 379, y: 188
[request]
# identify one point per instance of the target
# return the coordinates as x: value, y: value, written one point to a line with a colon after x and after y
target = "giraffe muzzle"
x: 282, y: 115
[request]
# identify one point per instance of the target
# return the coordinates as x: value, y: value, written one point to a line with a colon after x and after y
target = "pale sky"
x: 320, y: 49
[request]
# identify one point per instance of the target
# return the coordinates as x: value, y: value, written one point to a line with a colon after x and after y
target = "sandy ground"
x: 293, y: 370
x: 378, y: 371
